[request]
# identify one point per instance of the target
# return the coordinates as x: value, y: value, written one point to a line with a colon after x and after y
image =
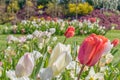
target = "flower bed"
x: 38, y: 56
x: 58, y: 25
x: 107, y: 18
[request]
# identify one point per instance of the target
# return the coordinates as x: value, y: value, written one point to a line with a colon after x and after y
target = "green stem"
x: 64, y: 40
x: 80, y: 72
x: 40, y: 63
x: 97, y: 70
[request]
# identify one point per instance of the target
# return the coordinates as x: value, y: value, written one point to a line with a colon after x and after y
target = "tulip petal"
x: 104, y: 49
x: 46, y: 74
x: 59, y: 48
x: 60, y: 58
x: 91, y: 72
x: 99, y: 76
x: 70, y: 32
x: 63, y: 60
x: 12, y: 76
x: 25, y: 65
x: 36, y: 55
x: 108, y: 47
x: 92, y: 49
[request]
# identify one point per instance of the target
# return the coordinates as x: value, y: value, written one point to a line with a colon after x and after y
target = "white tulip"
x: 22, y: 39
x: 94, y: 76
x: 29, y: 36
x: 12, y: 76
x: 61, y: 62
x: 59, y: 51
x: 46, y: 74
x: 52, y: 30
x: 25, y: 65
x: 36, y: 55
x: 24, y: 22
x: 106, y: 59
x: 103, y: 69
x: 11, y: 39
x: 36, y: 33
x: 109, y: 58
x: 58, y: 61
x: 54, y: 39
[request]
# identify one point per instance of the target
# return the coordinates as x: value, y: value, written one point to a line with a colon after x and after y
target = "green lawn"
x: 111, y: 35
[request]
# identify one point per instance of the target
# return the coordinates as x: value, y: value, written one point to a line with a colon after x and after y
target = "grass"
x: 111, y: 35
x: 3, y: 41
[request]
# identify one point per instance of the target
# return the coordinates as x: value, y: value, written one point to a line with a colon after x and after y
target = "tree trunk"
x: 76, y: 9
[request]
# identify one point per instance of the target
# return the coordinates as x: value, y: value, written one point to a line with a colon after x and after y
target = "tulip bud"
x: 92, y: 20
x: 55, y: 19
x: 49, y: 18
x: 115, y: 42
x: 70, y: 32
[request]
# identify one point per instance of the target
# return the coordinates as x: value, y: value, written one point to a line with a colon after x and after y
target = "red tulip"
x: 115, y: 42
x: 92, y: 49
x: 49, y: 18
x: 70, y: 32
x: 92, y: 20
x: 55, y: 19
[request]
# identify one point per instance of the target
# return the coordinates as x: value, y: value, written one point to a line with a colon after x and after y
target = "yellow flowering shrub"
x: 29, y: 3
x: 13, y: 6
x: 82, y: 8
x: 40, y: 6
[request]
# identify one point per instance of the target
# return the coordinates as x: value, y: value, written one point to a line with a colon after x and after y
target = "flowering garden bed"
x: 36, y: 55
x: 59, y: 40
